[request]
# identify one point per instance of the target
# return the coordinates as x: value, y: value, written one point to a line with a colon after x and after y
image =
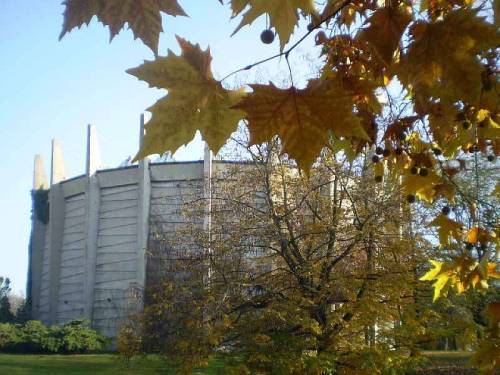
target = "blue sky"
x: 52, y: 89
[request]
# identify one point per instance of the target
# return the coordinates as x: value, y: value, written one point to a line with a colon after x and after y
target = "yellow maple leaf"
x: 434, y: 69
x: 447, y: 229
x: 492, y: 272
x: 303, y: 118
x: 386, y: 26
x: 195, y: 101
x: 142, y: 16
x: 462, y: 272
x: 343, y: 145
x: 283, y: 14
x: 422, y: 187
x: 433, y: 272
x: 480, y: 235
x: 443, y: 125
x: 441, y: 274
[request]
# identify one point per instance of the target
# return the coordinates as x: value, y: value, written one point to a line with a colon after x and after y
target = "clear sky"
x: 51, y: 89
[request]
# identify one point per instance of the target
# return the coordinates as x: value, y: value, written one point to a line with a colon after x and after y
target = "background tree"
x: 292, y: 264
x: 6, y: 315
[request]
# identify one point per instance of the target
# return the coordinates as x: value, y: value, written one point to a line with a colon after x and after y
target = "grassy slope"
x: 86, y: 364
x: 441, y: 363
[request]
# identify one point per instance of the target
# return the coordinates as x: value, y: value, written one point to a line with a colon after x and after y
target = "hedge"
x: 35, y: 337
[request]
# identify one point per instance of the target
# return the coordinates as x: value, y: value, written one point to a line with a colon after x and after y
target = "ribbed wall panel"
x: 116, y: 261
x: 43, y: 308
x: 70, y: 299
x: 166, y: 218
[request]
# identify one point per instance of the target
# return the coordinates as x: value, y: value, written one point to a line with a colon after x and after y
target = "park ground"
x: 440, y: 363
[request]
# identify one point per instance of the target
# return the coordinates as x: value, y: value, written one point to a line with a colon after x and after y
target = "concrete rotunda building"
x: 90, y: 233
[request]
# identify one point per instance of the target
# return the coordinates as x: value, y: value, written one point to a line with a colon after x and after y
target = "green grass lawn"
x: 443, y: 362
x: 88, y: 364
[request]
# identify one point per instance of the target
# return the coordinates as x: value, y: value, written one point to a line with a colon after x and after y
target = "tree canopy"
x: 414, y: 84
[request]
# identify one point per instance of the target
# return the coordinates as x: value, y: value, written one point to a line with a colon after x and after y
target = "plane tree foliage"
x: 413, y: 84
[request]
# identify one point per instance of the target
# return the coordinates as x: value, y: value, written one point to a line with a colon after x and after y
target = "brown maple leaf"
x: 304, y: 119
x: 143, y: 16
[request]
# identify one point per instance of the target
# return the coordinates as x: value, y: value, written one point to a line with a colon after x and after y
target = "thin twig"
x: 292, y: 47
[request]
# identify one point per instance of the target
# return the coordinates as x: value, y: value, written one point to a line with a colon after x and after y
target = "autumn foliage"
x: 414, y: 84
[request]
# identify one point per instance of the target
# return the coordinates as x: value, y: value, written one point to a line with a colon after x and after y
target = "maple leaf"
x: 434, y: 69
x: 462, y: 272
x: 283, y: 14
x: 445, y: 190
x: 422, y: 187
x: 195, y: 101
x: 496, y: 12
x: 343, y: 145
x: 386, y: 26
x: 441, y: 274
x: 303, y: 118
x: 446, y: 228
x: 397, y: 128
x: 443, y: 125
x: 492, y: 272
x: 142, y: 16
x: 476, y: 234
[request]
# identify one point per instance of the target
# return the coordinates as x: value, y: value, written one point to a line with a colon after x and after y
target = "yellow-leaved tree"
x: 434, y: 63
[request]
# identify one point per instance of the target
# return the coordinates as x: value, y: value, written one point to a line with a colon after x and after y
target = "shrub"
x: 78, y: 337
x: 9, y: 335
x: 128, y: 342
x: 35, y: 337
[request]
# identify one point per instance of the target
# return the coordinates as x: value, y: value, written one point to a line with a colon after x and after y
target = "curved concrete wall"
x: 91, y: 255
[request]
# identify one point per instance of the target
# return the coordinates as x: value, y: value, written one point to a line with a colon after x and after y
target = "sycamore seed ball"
x: 411, y: 198
x: 437, y: 151
x: 267, y: 36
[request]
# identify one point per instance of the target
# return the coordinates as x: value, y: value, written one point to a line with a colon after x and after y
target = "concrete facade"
x: 90, y: 259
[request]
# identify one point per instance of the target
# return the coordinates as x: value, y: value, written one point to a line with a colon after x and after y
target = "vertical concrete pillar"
x: 40, y: 180
x: 207, y: 177
x: 207, y: 196
x: 92, y: 198
x: 143, y: 217
x: 57, y: 167
x: 56, y: 226
x: 37, y: 241
x: 93, y: 160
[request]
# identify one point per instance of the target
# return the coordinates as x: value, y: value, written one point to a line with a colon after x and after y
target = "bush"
x: 9, y: 335
x: 34, y: 337
x: 128, y: 342
x: 78, y: 337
